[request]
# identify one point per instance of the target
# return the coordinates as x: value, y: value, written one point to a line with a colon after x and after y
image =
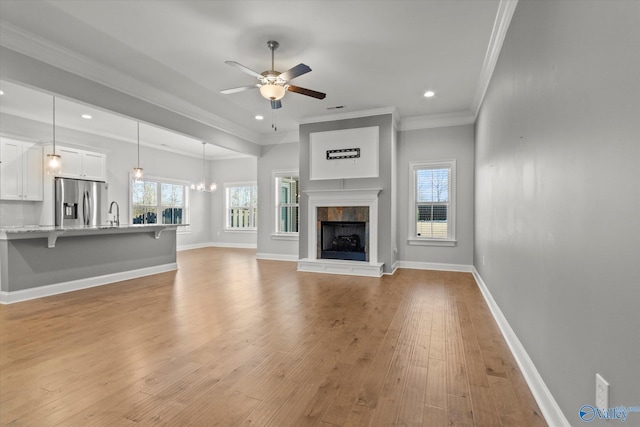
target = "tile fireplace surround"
x: 334, y: 200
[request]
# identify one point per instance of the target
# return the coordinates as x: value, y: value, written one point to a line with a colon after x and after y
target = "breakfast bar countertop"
x: 52, y: 233
x: 37, y: 228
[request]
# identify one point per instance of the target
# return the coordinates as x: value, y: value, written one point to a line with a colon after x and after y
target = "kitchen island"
x: 39, y: 261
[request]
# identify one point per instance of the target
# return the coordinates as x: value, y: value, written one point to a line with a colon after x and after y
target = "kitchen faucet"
x: 117, y: 212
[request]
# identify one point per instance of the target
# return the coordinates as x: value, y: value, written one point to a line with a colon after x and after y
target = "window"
x: 241, y: 206
x: 287, y: 202
x: 159, y: 201
x: 432, y: 219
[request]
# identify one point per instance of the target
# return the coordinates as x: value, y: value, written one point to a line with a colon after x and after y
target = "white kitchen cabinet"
x: 94, y: 166
x: 20, y: 170
x: 71, y: 161
x: 82, y: 164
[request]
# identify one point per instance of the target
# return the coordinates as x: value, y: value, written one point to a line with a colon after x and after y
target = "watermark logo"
x: 589, y: 413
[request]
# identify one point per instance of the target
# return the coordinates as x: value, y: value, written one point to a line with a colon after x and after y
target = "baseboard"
x: 548, y: 405
x: 75, y: 285
x: 277, y: 257
x: 394, y: 267
x: 193, y: 246
x: 218, y: 245
x: 233, y: 245
x: 435, y: 266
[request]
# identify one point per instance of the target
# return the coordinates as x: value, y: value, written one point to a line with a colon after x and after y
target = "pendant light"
x: 137, y: 171
x: 54, y: 163
x: 202, y: 185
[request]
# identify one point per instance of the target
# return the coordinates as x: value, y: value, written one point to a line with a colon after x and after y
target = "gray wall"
x: 448, y: 143
x: 558, y: 195
x: 274, y: 158
x: 386, y: 253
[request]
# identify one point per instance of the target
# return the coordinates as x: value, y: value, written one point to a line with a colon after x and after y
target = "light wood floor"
x: 228, y: 340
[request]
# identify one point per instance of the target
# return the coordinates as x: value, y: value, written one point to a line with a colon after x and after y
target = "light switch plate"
x: 602, y: 393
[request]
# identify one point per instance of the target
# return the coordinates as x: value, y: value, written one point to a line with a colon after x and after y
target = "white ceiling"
x: 365, y: 55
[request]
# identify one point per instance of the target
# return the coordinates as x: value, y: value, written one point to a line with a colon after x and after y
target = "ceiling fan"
x: 274, y: 84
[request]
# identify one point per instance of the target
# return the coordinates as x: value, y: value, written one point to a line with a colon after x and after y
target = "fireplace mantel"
x: 342, y: 198
x: 364, y: 193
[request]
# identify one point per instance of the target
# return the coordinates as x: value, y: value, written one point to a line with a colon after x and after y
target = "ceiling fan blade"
x: 244, y: 69
x: 308, y: 92
x: 294, y: 72
x: 238, y: 89
x: 276, y: 104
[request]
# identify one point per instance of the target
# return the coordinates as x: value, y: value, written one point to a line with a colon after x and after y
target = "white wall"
x: 558, y: 195
x: 274, y: 158
x: 448, y: 143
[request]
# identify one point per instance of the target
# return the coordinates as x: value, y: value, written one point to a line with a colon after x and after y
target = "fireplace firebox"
x: 343, y: 240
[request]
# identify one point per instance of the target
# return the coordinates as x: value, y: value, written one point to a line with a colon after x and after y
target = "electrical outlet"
x: 482, y: 259
x: 602, y: 393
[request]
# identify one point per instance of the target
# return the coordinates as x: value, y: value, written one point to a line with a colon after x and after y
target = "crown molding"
x: 438, y: 120
x: 506, y: 8
x: 352, y: 115
x: 28, y: 44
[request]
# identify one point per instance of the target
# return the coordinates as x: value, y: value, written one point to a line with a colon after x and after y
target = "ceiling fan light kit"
x: 274, y: 84
x: 272, y: 91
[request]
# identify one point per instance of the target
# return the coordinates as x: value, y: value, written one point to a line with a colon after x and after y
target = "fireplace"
x: 343, y: 240
x: 356, y: 211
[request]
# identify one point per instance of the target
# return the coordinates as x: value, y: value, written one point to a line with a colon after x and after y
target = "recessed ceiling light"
x: 1, y: 92
x: 259, y: 117
x: 429, y: 94
x: 86, y: 116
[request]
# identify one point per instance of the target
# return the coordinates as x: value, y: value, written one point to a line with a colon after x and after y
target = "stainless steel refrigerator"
x: 80, y: 202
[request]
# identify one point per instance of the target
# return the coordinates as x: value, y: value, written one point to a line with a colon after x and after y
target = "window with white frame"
x: 157, y: 200
x: 241, y: 206
x: 287, y: 204
x: 432, y: 219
